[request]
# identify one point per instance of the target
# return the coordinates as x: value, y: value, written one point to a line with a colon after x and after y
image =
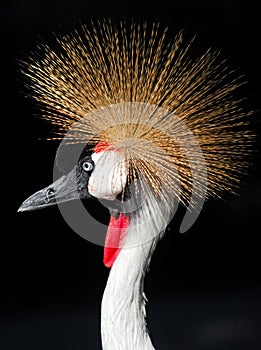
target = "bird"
x: 158, y: 125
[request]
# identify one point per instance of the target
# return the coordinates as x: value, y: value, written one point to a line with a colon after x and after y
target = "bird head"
x: 101, y: 174
x: 155, y: 114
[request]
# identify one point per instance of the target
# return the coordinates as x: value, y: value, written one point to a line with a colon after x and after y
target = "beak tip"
x: 25, y: 206
x: 21, y: 208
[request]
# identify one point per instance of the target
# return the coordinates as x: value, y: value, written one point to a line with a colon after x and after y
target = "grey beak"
x: 66, y: 188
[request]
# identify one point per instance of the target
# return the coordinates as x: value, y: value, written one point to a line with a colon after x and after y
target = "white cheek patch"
x: 96, y: 157
x: 109, y: 176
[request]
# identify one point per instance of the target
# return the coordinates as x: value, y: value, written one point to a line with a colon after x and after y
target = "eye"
x: 87, y: 166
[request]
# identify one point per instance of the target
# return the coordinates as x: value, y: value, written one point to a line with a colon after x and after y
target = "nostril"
x: 50, y: 192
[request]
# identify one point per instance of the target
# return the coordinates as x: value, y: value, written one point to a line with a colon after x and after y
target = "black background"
x: 203, y: 286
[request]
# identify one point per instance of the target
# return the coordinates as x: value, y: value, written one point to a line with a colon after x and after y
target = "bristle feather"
x: 130, y: 87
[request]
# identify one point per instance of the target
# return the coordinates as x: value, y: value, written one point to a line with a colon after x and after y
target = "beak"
x: 64, y: 189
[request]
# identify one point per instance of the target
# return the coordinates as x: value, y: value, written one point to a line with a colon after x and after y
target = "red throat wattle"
x: 117, y: 228
x: 115, y: 236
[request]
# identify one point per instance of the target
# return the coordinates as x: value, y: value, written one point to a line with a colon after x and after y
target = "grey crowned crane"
x: 161, y: 128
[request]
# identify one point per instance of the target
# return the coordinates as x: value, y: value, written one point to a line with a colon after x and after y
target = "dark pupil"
x: 87, y: 166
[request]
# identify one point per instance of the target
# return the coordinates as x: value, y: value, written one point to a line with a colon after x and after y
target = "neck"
x: 123, y: 324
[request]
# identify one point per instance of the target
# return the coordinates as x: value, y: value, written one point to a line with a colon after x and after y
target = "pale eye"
x: 87, y: 166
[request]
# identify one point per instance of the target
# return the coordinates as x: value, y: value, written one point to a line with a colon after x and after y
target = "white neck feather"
x: 123, y: 325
